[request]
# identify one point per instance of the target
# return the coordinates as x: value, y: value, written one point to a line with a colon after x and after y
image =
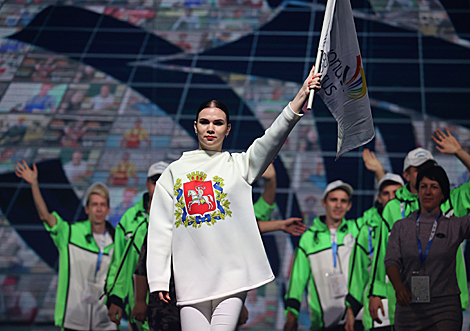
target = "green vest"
x: 313, y: 251
x: 360, y: 266
x: 78, y: 267
x: 124, y: 231
x: 123, y: 286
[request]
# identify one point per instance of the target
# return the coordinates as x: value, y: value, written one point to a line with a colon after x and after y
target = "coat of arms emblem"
x: 200, y: 201
x: 199, y: 197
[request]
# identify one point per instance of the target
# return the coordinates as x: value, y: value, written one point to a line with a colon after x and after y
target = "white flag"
x: 344, y: 88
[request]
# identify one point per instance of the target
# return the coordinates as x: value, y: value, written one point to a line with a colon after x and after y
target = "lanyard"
x: 334, y: 248
x: 402, y: 209
x: 371, y: 248
x: 100, y: 254
x: 422, y: 257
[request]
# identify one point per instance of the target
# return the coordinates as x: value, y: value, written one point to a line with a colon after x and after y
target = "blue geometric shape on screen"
x: 61, y: 198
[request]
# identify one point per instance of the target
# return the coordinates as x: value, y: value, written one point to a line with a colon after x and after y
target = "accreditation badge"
x: 420, y: 292
x: 337, y: 284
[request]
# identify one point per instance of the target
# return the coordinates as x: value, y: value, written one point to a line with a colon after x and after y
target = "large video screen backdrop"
x: 106, y: 88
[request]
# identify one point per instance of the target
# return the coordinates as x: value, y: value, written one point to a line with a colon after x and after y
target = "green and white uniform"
x: 82, y: 275
x: 123, y: 286
x: 313, y: 266
x: 263, y: 210
x: 360, y: 266
x: 400, y: 207
x: 124, y: 232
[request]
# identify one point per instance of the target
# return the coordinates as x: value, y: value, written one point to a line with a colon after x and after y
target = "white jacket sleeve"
x: 160, y: 233
x: 263, y: 150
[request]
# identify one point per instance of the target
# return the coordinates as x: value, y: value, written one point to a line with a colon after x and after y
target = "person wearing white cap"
x: 361, y: 258
x: 321, y: 262
x: 119, y: 294
x: 406, y: 202
x: 85, y: 250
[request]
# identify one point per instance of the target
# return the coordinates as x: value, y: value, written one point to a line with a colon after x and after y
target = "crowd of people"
x: 188, y: 253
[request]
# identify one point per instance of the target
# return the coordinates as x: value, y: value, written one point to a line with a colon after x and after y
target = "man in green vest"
x: 120, y: 292
x: 85, y: 249
x: 321, y: 263
x: 361, y: 257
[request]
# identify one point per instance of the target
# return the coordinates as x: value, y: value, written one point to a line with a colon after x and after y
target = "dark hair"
x: 426, y: 165
x: 387, y: 183
x: 216, y: 104
x: 154, y: 178
x: 439, y: 175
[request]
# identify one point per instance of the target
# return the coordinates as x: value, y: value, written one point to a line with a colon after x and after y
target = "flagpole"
x: 315, y: 71
x: 325, y: 27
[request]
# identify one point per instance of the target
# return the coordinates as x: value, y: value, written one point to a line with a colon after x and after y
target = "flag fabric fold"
x: 344, y: 88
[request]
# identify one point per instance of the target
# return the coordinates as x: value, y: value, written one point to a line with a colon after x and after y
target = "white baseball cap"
x: 417, y: 157
x: 157, y: 169
x: 391, y: 178
x: 336, y: 185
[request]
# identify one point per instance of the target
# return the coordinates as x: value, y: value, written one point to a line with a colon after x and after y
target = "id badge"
x: 420, y: 289
x: 337, y: 284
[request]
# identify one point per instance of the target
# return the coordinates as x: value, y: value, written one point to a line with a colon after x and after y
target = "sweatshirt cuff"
x: 263, y: 210
x: 159, y: 286
x: 292, y: 305
x: 354, y: 304
x: 116, y: 300
x: 379, y: 289
x: 290, y: 114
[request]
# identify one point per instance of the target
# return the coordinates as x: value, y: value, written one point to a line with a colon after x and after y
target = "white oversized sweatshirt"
x: 202, y: 216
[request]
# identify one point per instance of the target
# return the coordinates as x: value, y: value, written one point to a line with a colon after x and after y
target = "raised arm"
x: 373, y: 164
x: 447, y: 144
x: 263, y: 150
x: 31, y: 176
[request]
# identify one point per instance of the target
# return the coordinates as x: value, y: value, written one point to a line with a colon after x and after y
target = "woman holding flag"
x: 202, y: 219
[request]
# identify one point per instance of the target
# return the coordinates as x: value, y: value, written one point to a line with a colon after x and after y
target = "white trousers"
x: 213, y: 315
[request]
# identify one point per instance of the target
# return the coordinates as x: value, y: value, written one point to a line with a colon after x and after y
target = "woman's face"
x: 430, y: 195
x: 211, y: 129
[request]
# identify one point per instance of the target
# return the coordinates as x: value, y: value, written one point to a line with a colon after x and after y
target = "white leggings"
x: 213, y: 315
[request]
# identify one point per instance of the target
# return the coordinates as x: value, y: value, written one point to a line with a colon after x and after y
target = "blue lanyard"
x: 402, y: 209
x: 100, y: 254
x: 334, y: 248
x: 371, y: 248
x: 422, y: 257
